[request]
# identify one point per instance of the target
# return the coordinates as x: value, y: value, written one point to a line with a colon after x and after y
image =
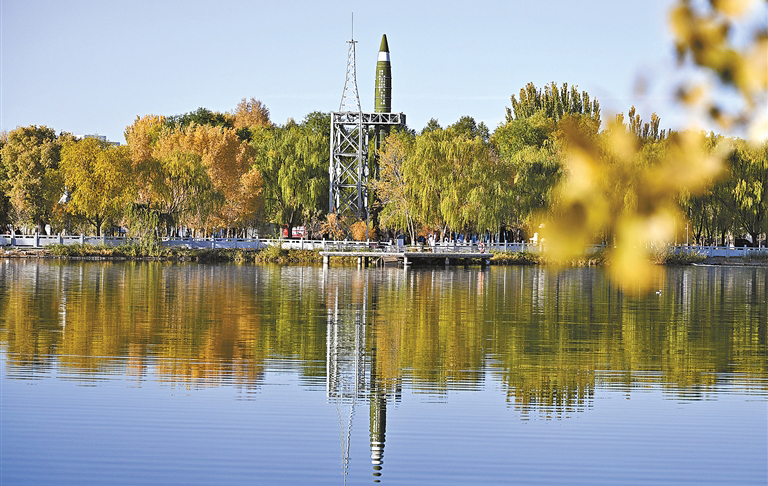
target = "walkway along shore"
x: 324, y: 251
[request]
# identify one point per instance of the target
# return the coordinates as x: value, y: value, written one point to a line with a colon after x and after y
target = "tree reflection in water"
x: 549, y: 339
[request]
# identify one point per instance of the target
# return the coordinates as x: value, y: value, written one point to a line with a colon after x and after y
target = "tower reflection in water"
x: 351, y: 364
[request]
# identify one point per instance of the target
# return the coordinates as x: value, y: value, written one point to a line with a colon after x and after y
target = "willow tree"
x: 450, y: 177
x: 745, y: 191
x: 99, y: 178
x: 293, y: 160
x: 183, y: 192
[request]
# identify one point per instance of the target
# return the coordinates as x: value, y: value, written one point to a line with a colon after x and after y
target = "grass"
x: 123, y: 251
x: 531, y: 258
x: 275, y: 254
x: 271, y: 254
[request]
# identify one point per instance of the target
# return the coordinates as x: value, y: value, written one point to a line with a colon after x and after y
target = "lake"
x: 183, y: 373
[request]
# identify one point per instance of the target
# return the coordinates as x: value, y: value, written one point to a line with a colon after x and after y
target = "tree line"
x: 202, y: 172
x: 205, y: 172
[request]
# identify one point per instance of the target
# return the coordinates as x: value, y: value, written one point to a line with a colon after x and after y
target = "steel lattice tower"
x: 349, y: 149
x: 350, y: 135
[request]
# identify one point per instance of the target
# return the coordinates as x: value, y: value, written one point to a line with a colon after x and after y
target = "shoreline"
x: 285, y: 256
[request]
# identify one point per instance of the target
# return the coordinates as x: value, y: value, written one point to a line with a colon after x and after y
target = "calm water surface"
x: 154, y: 373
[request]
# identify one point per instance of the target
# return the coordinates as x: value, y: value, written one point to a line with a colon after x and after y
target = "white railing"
x: 706, y: 250
x: 41, y: 241
x: 722, y: 251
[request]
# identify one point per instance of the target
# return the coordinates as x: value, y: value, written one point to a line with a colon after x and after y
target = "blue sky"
x: 93, y: 66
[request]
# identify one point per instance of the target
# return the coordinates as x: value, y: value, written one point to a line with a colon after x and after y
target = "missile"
x: 383, y: 101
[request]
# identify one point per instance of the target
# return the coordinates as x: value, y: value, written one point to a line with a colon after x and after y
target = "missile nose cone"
x: 384, y: 46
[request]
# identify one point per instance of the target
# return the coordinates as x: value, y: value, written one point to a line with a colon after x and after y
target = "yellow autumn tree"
x: 392, y: 196
x: 99, y: 179
x: 142, y: 137
x: 227, y: 160
x: 251, y: 113
x: 227, y: 194
x: 247, y: 204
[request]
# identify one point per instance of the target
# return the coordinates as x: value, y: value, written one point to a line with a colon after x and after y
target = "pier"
x: 406, y: 258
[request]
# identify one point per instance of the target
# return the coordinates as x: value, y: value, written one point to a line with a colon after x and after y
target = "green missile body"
x: 383, y: 102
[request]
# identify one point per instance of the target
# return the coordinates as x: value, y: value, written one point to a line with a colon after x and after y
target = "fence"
x: 41, y: 241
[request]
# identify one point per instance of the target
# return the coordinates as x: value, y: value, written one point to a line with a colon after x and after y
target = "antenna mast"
x: 350, y: 100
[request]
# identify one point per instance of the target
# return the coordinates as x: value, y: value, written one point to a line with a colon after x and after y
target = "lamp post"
x: 63, y: 200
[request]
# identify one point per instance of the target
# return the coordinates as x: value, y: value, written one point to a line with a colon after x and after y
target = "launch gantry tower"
x: 351, y: 128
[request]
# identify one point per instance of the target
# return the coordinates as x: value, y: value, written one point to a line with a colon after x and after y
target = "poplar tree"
x: 556, y: 102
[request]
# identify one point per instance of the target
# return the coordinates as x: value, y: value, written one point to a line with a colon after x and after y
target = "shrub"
x: 667, y: 257
x: 515, y: 258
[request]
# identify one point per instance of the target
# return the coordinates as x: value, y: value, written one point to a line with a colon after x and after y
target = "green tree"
x: 556, y: 102
x: 534, y: 131
x: 431, y: 126
x: 30, y: 160
x: 201, y: 116
x: 468, y: 128
x: 709, y: 219
x: 319, y: 123
x: 293, y: 160
x: 5, y: 202
x: 530, y: 150
x: 530, y: 144
x: 99, y: 178
x: 746, y: 188
x: 448, y: 176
